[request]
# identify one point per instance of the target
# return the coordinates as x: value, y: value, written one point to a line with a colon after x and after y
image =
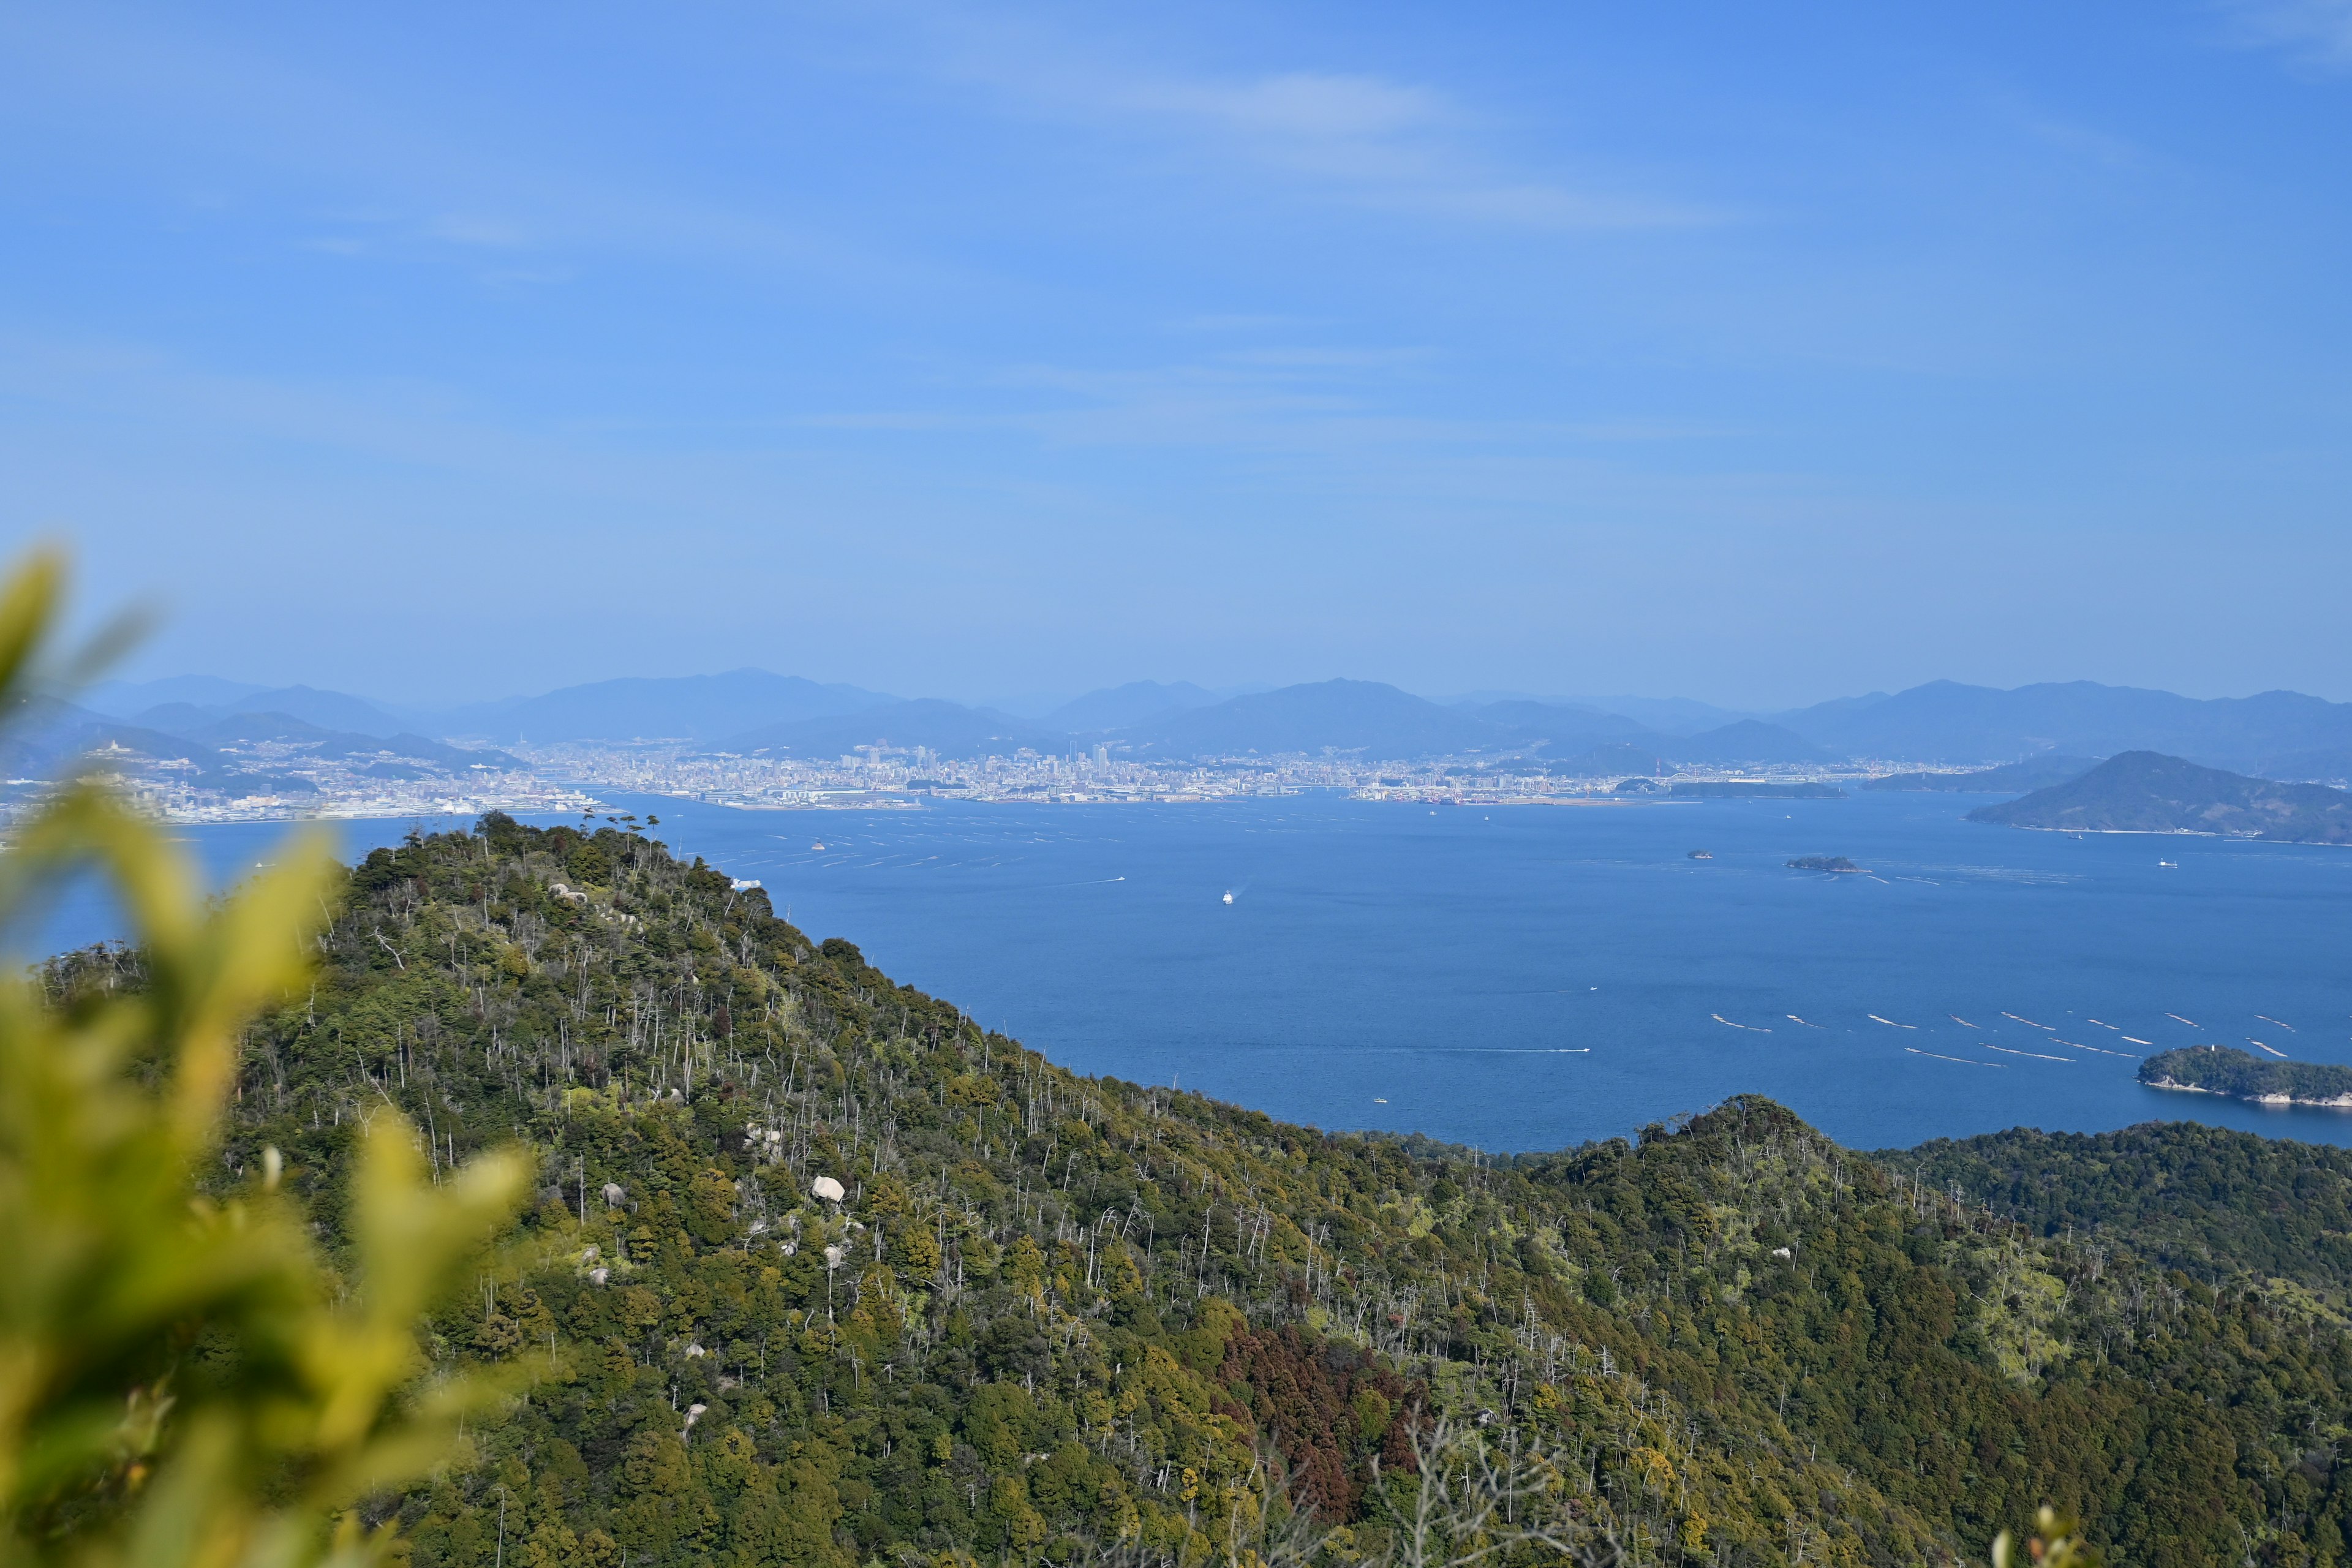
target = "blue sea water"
x: 1528, y: 977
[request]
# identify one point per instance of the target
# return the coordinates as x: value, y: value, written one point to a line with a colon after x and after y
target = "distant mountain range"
x: 190, y: 701
x: 2279, y: 734
x: 1944, y: 721
x: 687, y: 708
x: 1748, y: 740
x: 2146, y: 791
x: 1117, y: 706
x: 216, y: 751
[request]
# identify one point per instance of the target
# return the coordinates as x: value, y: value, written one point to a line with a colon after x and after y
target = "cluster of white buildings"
x: 882, y: 778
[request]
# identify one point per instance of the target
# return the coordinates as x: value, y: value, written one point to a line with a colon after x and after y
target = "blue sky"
x: 1757, y: 354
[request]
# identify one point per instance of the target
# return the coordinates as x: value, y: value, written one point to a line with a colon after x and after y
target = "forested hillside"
x: 1052, y: 1317
x: 2212, y: 1201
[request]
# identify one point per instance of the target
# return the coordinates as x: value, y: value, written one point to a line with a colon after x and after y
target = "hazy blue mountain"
x: 1611, y: 758
x: 128, y: 699
x: 1366, y: 717
x: 63, y: 733
x: 328, y: 709
x: 1558, y: 727
x: 54, y: 735
x: 54, y: 732
x: 178, y: 718
x: 2326, y: 765
x: 1029, y: 705
x: 688, y: 708
x: 1946, y: 721
x: 1666, y: 715
x: 1746, y: 741
x: 2146, y: 791
x: 334, y: 711
x: 245, y: 728
x: 1116, y: 706
x: 1835, y: 705
x: 950, y: 728
x: 1586, y: 735
x: 2034, y: 773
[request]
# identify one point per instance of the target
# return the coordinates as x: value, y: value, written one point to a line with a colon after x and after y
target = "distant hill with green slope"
x: 2145, y: 791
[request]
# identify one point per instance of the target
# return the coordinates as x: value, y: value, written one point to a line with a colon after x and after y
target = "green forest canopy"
x: 1055, y: 1317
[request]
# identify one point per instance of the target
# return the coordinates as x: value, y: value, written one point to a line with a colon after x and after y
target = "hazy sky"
x: 1762, y: 353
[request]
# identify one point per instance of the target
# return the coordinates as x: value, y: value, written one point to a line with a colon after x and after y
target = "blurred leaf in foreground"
x: 184, y: 1378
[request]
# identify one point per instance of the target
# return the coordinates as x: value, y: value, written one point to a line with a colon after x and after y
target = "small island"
x: 2240, y: 1075
x: 1824, y: 863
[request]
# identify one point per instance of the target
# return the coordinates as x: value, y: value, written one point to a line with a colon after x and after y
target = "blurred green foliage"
x: 184, y: 1377
x: 2056, y: 1542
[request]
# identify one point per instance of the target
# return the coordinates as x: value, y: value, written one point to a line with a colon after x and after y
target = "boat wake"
x: 2101, y: 1049
x: 1964, y: 1061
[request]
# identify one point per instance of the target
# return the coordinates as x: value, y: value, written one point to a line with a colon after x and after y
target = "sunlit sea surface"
x: 1528, y: 977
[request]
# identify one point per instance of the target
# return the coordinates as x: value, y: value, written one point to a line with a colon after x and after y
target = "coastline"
x: 2341, y: 1102
x: 2169, y: 833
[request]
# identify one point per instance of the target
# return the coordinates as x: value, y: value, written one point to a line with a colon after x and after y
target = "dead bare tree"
x: 1476, y: 1500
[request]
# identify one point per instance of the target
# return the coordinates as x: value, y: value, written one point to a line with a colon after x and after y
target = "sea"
x: 1530, y: 977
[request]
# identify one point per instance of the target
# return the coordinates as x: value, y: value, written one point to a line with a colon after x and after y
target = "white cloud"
x: 1398, y: 145
x: 2318, y: 32
x: 1356, y: 137
x: 1302, y: 105
x: 478, y: 229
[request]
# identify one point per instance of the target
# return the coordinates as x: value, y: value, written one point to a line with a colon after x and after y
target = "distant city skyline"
x: 1764, y: 357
